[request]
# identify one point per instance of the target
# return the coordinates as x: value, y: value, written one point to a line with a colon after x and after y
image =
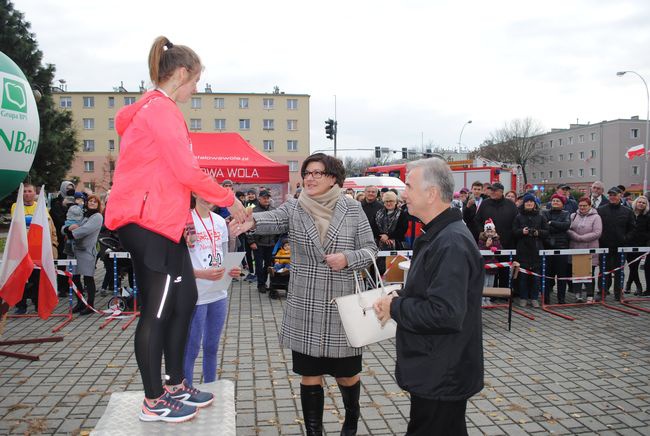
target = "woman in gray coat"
x: 85, y: 237
x: 330, y: 238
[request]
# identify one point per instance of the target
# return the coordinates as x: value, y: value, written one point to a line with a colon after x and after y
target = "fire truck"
x: 465, y: 173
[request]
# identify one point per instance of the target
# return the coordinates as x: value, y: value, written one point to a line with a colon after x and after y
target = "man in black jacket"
x: 470, y: 208
x: 559, y: 221
x: 371, y: 205
x: 438, y: 313
x: 618, y: 227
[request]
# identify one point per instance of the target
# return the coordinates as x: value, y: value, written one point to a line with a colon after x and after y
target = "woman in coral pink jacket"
x: 149, y: 208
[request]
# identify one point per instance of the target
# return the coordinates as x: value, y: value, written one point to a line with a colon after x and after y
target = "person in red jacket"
x: 149, y: 207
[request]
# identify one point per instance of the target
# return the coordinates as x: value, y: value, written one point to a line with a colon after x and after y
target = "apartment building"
x: 276, y: 123
x: 584, y: 153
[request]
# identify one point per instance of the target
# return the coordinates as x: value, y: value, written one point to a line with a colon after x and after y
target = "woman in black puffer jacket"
x: 559, y: 222
x: 529, y: 230
x: 639, y: 238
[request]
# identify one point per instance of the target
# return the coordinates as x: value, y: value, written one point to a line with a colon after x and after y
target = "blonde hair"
x: 389, y: 195
x: 165, y: 58
x: 647, y: 204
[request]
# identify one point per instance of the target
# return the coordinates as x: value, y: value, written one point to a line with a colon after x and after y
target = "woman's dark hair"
x: 98, y: 200
x: 333, y: 166
x: 165, y: 58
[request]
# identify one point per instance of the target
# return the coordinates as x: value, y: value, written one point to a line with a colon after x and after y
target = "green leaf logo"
x: 13, y: 96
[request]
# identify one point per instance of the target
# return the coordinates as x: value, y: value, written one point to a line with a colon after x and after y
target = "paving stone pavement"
x: 550, y: 375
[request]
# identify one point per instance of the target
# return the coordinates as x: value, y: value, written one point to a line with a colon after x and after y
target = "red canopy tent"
x: 229, y: 156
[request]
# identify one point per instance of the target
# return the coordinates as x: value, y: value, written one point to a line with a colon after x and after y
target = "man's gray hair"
x: 435, y: 172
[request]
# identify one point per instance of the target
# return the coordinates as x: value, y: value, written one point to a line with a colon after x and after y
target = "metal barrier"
x: 115, y: 255
x: 643, y: 253
x: 600, y: 251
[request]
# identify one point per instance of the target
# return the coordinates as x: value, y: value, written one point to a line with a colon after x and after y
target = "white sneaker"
x: 590, y: 299
x: 534, y: 303
x: 522, y: 302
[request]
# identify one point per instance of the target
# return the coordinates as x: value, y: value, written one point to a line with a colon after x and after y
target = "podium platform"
x: 121, y: 415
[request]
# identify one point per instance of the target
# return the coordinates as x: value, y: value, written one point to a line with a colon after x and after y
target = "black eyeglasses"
x: 316, y: 174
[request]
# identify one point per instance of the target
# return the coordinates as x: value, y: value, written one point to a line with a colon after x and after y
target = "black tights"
x: 88, y: 287
x: 164, y: 317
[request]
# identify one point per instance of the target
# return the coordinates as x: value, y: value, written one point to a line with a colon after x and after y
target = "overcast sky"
x: 401, y: 71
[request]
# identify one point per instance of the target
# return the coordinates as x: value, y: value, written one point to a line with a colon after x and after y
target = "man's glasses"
x: 316, y: 174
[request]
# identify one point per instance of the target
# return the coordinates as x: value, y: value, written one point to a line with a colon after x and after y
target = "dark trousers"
x: 432, y: 417
x: 263, y: 260
x: 634, y: 272
x: 612, y: 261
x: 31, y: 290
x: 88, y: 286
x: 556, y: 266
x: 249, y: 259
x: 646, y: 271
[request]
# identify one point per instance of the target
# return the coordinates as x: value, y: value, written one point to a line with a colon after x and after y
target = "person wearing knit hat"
x: 488, y: 239
x: 559, y: 221
x: 529, y: 230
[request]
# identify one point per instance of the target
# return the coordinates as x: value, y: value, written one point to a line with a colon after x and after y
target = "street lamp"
x: 461, y: 133
x: 647, y: 128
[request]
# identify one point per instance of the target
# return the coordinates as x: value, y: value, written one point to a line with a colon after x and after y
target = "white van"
x: 360, y: 183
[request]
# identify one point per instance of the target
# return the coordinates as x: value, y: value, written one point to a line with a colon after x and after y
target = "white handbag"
x: 362, y: 327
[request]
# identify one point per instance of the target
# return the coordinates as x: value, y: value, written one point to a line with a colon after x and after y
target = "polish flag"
x: 635, y: 151
x: 16, y: 265
x: 40, y: 250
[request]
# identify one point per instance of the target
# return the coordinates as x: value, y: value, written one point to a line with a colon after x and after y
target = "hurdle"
x: 510, y: 254
x: 115, y: 255
x: 68, y: 315
x: 626, y: 301
x: 550, y: 308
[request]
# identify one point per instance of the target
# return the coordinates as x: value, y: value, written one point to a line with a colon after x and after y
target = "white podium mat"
x: 121, y: 415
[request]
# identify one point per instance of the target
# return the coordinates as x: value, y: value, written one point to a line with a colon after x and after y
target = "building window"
x: 550, y: 143
x: 90, y: 185
x: 581, y: 138
x: 111, y: 165
x: 551, y: 158
x: 592, y: 136
x: 111, y: 124
x: 268, y: 103
x: 244, y: 124
x: 561, y: 157
x: 195, y: 124
x: 570, y: 156
x: 293, y: 166
x: 593, y: 154
x: 111, y: 145
x: 269, y: 125
x: 89, y: 123
x: 570, y: 173
x: 219, y: 103
x: 570, y: 140
x: 89, y: 145
x: 219, y: 124
x: 550, y: 174
x: 268, y: 145
x: 582, y: 155
x: 593, y: 171
x: 292, y: 125
x: 559, y: 173
x: 196, y: 102
x: 65, y: 102
x: 243, y: 103
x: 635, y: 170
x: 634, y: 133
x: 292, y: 104
x: 89, y: 166
x: 534, y: 175
x: 292, y: 145
x: 559, y: 142
x: 129, y: 100
x: 111, y: 101
x: 89, y: 102
x: 581, y: 172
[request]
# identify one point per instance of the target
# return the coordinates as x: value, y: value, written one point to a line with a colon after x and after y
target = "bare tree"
x: 516, y: 142
x: 355, y: 166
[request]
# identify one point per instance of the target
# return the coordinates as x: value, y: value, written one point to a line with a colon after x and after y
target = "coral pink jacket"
x: 156, y: 170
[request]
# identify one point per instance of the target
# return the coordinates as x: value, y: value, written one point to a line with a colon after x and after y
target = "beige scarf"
x: 320, y: 208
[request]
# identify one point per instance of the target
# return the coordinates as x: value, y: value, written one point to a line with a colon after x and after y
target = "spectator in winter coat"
x: 529, y: 229
x: 390, y: 224
x: 559, y: 221
x: 597, y: 198
x: 371, y: 205
x: 58, y: 211
x: 584, y: 232
x: 262, y: 246
x: 639, y: 238
x: 488, y: 239
x: 471, y: 207
x: 618, y: 224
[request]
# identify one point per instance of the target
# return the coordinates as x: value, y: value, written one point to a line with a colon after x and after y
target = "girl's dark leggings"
x: 165, y: 315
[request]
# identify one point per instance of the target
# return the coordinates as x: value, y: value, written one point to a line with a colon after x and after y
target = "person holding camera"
x: 529, y: 229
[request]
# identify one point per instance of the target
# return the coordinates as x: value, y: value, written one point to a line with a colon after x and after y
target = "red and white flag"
x: 40, y: 250
x: 635, y: 151
x: 16, y: 265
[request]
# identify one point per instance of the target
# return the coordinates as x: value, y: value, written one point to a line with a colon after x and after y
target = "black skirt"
x: 310, y: 366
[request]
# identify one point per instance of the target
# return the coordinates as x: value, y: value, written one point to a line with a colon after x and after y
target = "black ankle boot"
x: 312, y: 399
x: 350, y: 396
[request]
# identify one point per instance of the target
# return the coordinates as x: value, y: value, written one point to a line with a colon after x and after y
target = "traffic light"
x: 377, y: 152
x: 330, y: 128
x: 405, y: 153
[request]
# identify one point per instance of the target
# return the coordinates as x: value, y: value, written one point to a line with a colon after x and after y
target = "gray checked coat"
x: 311, y: 324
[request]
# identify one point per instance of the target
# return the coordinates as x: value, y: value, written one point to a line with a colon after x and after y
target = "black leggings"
x: 167, y: 306
x: 88, y: 287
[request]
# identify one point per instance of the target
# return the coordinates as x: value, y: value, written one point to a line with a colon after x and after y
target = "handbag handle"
x: 378, y: 278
